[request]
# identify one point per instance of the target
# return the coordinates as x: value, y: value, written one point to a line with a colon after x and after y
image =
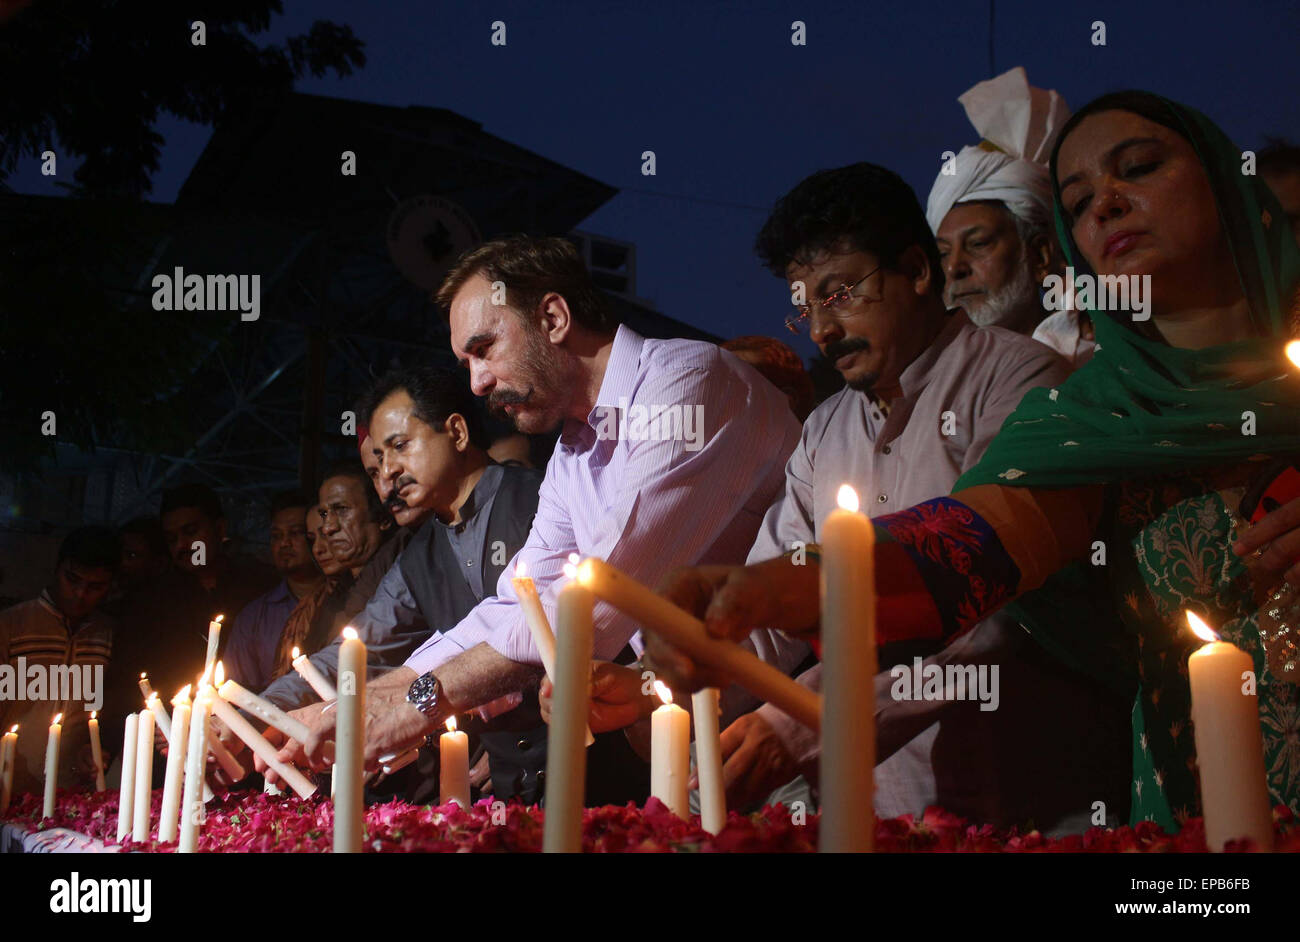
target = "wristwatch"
x: 425, y: 694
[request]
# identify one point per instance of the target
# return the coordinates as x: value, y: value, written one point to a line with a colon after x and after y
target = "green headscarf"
x: 1141, y: 407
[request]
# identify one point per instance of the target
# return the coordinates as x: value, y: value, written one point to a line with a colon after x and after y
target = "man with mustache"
x: 539, y: 343
x: 427, y: 444
x: 926, y: 391
x: 250, y: 653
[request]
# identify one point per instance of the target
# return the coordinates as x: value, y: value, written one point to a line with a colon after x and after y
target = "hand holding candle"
x: 311, y: 673
x: 264, y: 710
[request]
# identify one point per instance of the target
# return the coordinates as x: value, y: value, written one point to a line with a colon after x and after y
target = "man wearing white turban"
x: 991, y: 212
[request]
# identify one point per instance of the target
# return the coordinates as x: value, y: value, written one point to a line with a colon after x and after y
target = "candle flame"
x: 1293, y: 352
x: 182, y: 694
x: 570, y: 571
x: 575, y: 558
x: 1200, y: 628
x: 219, y: 674
x: 847, y: 498
x: 14, y: 728
x: 585, y: 573
x: 350, y: 633
x: 148, y: 701
x: 218, y: 619
x: 144, y: 675
x: 665, y: 694
x: 451, y: 724
x: 58, y: 718
x: 521, y: 570
x: 203, y: 678
x: 94, y: 714
x: 296, y: 653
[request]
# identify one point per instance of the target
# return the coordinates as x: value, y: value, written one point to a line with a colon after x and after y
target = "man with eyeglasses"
x: 926, y: 390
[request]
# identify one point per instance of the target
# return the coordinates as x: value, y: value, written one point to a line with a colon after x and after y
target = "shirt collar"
x: 478, y: 498
x: 617, y: 385
x: 919, y: 372
x: 280, y: 593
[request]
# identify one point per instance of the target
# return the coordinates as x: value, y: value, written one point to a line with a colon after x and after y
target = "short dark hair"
x: 192, y: 495
x: 151, y: 530
x: 437, y: 392
x: 352, y: 468
x: 863, y: 206
x: 1278, y: 156
x: 285, y: 500
x: 94, y: 547
x: 530, y: 267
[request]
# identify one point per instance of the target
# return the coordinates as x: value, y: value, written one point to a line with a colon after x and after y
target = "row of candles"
x: 1226, y: 720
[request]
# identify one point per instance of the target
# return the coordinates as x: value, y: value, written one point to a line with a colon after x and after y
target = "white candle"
x: 670, y: 753
x: 229, y: 764
x: 214, y: 643
x: 146, y: 688
x: 257, y: 742
x: 453, y: 773
x: 143, y: 775
x: 656, y: 614
x: 708, y: 759
x: 96, y: 751
x: 175, y: 775
x: 126, y: 793
x: 311, y: 673
x: 1229, y: 745
x: 349, y: 745
x: 196, y: 756
x: 52, y: 764
x: 538, y: 624
x: 848, y: 740
x: 264, y: 710
x: 161, y: 718
x: 396, y: 761
x: 8, y: 759
x: 566, y: 753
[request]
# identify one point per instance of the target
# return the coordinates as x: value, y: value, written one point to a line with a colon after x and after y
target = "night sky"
x: 737, y: 115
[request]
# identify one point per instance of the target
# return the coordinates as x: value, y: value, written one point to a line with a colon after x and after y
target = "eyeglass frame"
x: 794, y: 322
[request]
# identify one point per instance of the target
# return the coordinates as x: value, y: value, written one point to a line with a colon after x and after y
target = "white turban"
x: 1018, y: 124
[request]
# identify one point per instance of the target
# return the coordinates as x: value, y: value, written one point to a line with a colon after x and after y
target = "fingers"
x: 1282, y: 558
x: 1273, y: 525
x: 677, y: 669
x: 734, y: 735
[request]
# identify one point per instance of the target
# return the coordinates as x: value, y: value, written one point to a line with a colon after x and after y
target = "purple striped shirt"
x: 675, y: 466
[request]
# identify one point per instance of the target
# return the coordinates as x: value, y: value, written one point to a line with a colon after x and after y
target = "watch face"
x: 422, y: 691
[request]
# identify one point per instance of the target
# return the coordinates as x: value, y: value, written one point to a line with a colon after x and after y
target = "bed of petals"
x: 255, y: 822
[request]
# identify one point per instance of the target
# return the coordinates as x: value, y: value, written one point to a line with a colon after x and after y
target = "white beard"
x: 1016, y: 305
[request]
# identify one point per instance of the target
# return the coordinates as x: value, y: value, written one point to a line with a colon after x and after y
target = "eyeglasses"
x: 836, y: 304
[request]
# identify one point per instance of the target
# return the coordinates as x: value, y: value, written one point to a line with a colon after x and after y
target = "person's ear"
x: 1042, y: 255
x: 556, y: 318
x: 915, y: 264
x: 458, y: 430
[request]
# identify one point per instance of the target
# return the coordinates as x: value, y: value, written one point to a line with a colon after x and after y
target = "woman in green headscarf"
x: 1107, y: 507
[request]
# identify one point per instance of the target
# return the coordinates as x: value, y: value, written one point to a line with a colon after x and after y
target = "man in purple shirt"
x: 250, y: 653
x: 669, y: 454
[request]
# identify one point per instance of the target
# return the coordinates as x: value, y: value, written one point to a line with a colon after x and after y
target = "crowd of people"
x: 1051, y: 489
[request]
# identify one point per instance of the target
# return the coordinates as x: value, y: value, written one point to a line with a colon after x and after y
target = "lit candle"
x: 143, y: 775
x: 566, y: 752
x: 670, y: 753
x: 1229, y: 745
x: 96, y: 750
x: 196, y: 755
x: 1293, y: 353
x: 848, y: 741
x: 311, y: 673
x: 126, y: 793
x: 146, y: 688
x: 708, y: 759
x: 658, y: 615
x: 161, y: 719
x: 257, y: 742
x: 214, y: 643
x: 264, y: 710
x: 538, y: 624
x: 8, y: 759
x: 453, y: 776
x: 349, y: 745
x: 175, y: 775
x: 52, y: 763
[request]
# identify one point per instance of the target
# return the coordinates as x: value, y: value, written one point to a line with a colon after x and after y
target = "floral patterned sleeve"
x: 945, y: 564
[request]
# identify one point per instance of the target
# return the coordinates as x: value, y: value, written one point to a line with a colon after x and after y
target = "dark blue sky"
x: 737, y: 115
